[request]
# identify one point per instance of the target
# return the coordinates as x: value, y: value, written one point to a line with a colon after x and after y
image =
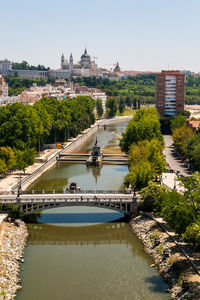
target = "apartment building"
x: 170, y: 92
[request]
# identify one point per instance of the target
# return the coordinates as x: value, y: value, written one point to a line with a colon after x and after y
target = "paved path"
x: 175, y: 163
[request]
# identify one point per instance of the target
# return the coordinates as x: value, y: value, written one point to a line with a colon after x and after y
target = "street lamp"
x: 174, y: 183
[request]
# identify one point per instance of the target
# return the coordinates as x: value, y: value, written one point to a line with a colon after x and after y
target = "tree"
x: 121, y: 105
x: 111, y: 105
x: 8, y: 155
x: 99, y: 107
x: 144, y: 125
x: 181, y: 136
x: 192, y: 234
x: 142, y: 155
x: 150, y: 195
x: 178, y: 121
x: 24, y: 159
x: 3, y: 167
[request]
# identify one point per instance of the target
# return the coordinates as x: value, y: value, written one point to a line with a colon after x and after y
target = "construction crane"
x: 114, y: 65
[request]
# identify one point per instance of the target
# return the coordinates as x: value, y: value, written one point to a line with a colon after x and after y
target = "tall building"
x: 170, y: 92
x: 3, y: 87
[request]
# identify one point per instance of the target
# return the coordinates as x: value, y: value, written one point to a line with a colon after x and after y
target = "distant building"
x: 3, y: 87
x: 170, y: 92
x: 117, y: 68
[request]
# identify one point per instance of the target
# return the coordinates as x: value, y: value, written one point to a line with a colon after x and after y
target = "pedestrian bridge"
x: 33, y: 202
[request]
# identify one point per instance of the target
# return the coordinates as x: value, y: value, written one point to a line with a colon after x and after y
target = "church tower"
x: 62, y: 62
x: 71, y: 64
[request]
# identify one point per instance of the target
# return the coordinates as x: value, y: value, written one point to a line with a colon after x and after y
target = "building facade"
x: 3, y: 87
x: 170, y: 92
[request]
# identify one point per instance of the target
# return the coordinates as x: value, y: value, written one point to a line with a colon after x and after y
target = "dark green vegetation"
x: 182, y: 212
x: 16, y: 85
x: 134, y: 89
x: 144, y: 143
x: 24, y: 128
x: 141, y: 88
x: 25, y: 66
x: 99, y: 107
x: 186, y: 141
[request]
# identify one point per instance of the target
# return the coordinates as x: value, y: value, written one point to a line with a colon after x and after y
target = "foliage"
x: 192, y: 234
x: 16, y: 84
x: 144, y: 125
x: 99, y: 107
x: 8, y: 156
x: 181, y: 136
x: 24, y: 128
x: 165, y: 125
x: 14, y: 212
x: 150, y: 194
x: 111, y: 105
x: 178, y: 121
x: 25, y: 66
x: 174, y: 207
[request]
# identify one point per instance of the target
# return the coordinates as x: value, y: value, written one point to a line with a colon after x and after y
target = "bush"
x: 192, y: 234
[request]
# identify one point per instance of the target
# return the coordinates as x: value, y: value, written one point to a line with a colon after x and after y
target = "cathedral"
x: 84, y: 68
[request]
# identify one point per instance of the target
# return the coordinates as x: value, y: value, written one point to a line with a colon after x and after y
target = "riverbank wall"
x: 70, y: 147
x: 175, y: 268
x: 12, y: 244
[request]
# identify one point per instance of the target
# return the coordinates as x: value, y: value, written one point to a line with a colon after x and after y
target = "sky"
x: 143, y: 35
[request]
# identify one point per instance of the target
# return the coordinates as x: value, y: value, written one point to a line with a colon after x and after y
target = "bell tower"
x: 62, y: 62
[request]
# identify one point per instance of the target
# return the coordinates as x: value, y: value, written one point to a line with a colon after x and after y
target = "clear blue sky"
x: 140, y: 34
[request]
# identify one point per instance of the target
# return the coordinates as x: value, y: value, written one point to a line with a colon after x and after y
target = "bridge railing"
x: 65, y: 191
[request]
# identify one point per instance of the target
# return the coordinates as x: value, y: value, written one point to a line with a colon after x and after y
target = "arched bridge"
x: 30, y: 203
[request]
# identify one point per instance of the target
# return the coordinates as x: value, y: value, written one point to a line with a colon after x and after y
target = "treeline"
x: 16, y: 85
x: 25, y: 66
x: 144, y: 143
x: 142, y: 87
x: 186, y: 141
x: 24, y: 128
x: 182, y: 212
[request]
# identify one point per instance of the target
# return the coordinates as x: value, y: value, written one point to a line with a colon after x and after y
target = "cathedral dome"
x: 85, y: 55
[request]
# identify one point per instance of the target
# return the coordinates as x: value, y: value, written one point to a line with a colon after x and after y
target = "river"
x: 83, y: 252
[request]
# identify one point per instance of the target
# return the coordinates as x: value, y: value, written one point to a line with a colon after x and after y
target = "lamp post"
x: 174, y: 183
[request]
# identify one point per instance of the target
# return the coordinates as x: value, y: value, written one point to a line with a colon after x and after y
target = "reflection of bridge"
x: 108, y: 233
x: 30, y: 203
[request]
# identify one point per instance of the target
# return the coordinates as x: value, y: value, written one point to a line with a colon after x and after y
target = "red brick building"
x: 170, y: 92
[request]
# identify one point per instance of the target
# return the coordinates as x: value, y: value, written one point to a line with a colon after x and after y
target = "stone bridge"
x: 30, y: 203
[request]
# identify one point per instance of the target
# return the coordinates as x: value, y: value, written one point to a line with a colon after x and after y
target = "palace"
x: 84, y: 68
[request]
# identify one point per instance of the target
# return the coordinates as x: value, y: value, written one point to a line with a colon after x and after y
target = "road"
x: 175, y: 163
x: 170, y: 179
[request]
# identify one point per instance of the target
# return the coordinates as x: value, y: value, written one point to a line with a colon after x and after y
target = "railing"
x: 65, y: 191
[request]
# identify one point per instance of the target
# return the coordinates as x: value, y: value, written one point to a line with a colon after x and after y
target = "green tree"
x: 111, y: 105
x: 144, y: 125
x: 121, y: 105
x: 178, y: 121
x: 181, y: 136
x: 99, y: 107
x: 3, y: 167
x: 8, y: 155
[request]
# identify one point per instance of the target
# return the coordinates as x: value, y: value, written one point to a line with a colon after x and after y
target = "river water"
x: 83, y: 252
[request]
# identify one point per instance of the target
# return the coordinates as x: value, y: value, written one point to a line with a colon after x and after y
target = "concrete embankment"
x: 174, y: 266
x: 12, y: 243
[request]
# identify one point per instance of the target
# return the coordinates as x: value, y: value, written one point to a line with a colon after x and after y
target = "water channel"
x: 86, y: 253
